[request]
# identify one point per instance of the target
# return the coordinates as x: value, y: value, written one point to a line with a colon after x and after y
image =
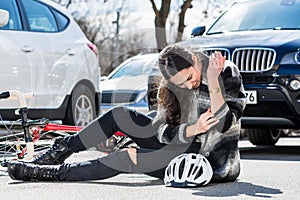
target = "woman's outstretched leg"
x: 136, y: 125
x: 87, y: 170
x: 98, y: 169
x: 149, y: 161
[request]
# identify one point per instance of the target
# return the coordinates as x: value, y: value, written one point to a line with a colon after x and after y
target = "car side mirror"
x: 4, y: 16
x: 198, y: 31
x: 103, y: 78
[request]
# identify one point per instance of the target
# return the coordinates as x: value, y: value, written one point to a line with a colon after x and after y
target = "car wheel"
x: 263, y: 136
x: 81, y: 108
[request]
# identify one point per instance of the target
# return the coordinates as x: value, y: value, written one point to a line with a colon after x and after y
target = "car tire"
x: 263, y: 136
x: 81, y: 108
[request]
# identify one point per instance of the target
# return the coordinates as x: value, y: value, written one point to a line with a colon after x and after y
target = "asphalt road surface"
x: 267, y: 173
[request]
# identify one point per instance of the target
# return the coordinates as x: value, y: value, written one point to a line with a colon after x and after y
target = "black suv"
x: 262, y: 37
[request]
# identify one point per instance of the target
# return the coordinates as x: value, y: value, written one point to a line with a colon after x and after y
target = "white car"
x: 43, y: 51
x: 127, y: 85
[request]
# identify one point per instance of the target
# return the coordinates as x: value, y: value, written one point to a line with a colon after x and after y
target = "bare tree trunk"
x: 68, y: 4
x: 186, y: 4
x: 160, y: 22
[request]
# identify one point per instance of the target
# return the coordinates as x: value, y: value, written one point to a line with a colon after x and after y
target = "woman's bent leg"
x: 135, y: 125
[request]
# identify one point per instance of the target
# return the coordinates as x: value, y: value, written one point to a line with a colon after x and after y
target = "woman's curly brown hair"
x: 168, y: 100
x: 172, y: 59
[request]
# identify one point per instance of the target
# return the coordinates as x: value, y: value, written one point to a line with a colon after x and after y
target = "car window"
x: 62, y: 20
x: 40, y: 17
x: 137, y: 68
x: 249, y: 15
x: 14, y: 22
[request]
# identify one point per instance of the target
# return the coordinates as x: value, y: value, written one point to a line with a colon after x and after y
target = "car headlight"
x: 297, y: 57
x: 292, y: 58
x: 142, y: 95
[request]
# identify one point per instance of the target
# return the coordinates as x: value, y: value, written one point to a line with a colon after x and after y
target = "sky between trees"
x: 123, y: 28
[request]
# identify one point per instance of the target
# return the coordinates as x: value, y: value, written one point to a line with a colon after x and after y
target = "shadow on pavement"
x: 128, y: 184
x: 118, y: 183
x: 236, y: 189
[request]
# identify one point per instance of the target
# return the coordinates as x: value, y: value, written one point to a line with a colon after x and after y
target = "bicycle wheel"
x: 11, y: 145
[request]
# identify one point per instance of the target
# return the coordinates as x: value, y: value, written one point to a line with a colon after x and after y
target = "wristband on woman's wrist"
x: 216, y: 90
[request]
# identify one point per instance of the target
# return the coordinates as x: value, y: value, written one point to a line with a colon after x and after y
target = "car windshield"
x: 136, y: 68
x: 259, y: 15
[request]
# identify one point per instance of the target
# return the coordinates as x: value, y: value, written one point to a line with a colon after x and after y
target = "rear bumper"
x: 52, y: 114
x: 56, y: 114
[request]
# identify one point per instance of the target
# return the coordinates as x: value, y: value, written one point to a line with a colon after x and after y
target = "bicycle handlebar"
x: 15, y: 94
x: 4, y: 95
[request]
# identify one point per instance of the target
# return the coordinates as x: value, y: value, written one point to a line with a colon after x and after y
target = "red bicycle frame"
x: 37, y: 130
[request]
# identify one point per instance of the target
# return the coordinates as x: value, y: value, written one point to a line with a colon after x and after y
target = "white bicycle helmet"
x: 188, y: 170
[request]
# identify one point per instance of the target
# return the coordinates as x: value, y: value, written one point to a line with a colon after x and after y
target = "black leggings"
x: 152, y: 156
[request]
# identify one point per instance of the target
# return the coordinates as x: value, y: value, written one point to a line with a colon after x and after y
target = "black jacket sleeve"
x: 235, y: 100
x: 169, y: 134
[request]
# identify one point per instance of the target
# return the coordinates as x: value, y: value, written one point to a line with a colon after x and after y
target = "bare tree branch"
x: 68, y: 4
x: 186, y: 5
x: 156, y: 12
x: 160, y: 22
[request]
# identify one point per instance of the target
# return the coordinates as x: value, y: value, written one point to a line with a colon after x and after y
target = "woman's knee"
x: 118, y: 109
x: 112, y: 114
x: 132, y: 155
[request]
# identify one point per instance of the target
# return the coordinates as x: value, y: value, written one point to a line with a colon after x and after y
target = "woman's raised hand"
x: 205, y: 122
x: 216, y: 64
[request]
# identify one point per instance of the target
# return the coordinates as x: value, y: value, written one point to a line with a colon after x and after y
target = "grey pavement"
x: 267, y: 173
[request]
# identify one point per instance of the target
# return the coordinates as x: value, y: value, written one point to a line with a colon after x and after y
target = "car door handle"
x: 70, y: 52
x: 27, y: 49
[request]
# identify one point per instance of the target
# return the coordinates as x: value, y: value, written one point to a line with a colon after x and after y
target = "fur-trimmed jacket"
x: 220, y: 143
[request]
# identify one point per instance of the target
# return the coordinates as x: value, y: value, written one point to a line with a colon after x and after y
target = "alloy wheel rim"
x: 83, y: 111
